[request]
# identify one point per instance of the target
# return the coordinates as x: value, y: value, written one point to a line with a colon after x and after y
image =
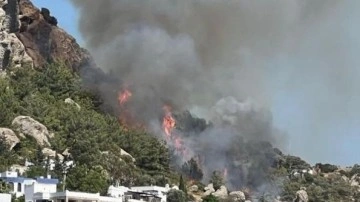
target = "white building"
x: 5, y: 197
x: 69, y: 196
x: 39, y: 193
x: 39, y: 186
x: 17, y: 184
x: 160, y: 192
x: 118, y: 191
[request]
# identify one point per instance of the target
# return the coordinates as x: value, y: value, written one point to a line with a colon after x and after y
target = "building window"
x: 19, y: 187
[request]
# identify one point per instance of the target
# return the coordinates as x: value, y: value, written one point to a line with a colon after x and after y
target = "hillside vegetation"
x: 93, y: 138
x: 95, y: 141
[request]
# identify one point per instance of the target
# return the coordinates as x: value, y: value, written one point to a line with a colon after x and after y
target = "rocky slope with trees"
x: 49, y: 116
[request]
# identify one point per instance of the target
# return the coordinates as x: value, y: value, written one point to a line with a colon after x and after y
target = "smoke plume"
x: 213, y: 56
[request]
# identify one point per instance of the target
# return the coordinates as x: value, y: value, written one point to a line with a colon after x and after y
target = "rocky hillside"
x: 51, y: 123
x: 31, y: 36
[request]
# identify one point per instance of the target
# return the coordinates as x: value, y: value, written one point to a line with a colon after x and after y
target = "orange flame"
x: 168, y: 122
x: 126, y: 117
x: 124, y: 96
x: 168, y: 127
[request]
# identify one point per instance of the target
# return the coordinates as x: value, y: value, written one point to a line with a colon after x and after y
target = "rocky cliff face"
x: 29, y: 35
x: 11, y: 48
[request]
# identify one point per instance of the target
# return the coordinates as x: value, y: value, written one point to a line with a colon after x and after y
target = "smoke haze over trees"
x: 197, y: 52
x: 226, y: 61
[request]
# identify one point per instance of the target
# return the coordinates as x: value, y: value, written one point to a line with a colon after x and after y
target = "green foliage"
x: 293, y: 162
x: 217, y: 179
x: 326, y: 168
x: 4, y: 187
x: 20, y: 199
x: 309, y: 178
x: 86, y: 132
x: 176, y: 196
x: 355, y: 170
x: 82, y: 178
x: 35, y: 171
x: 210, y: 198
x: 320, y: 189
x: 182, y: 185
x: 7, y: 158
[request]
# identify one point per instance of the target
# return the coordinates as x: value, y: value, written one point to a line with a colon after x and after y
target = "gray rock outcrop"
x: 193, y: 188
x: 72, y: 102
x: 12, y: 51
x: 301, y: 195
x: 51, y: 153
x: 237, y: 196
x: 355, y: 180
x: 19, y: 168
x: 10, y: 137
x: 221, y: 193
x: 124, y: 153
x: 209, y: 189
x: 27, y: 126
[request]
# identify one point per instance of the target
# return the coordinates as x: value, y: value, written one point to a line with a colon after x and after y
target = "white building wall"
x: 36, y: 187
x: 21, y: 192
x: 29, y: 193
x: 5, y: 197
x: 9, y: 174
x: 117, y: 192
x: 109, y: 199
x: 47, y: 188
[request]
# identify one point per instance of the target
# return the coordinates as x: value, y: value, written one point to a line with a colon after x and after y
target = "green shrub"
x: 176, y: 196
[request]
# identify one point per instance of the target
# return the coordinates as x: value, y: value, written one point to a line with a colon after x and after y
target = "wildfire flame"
x: 168, y: 122
x: 124, y: 96
x: 128, y: 120
x: 168, y: 125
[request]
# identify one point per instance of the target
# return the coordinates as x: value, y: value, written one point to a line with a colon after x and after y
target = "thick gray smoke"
x: 193, y: 53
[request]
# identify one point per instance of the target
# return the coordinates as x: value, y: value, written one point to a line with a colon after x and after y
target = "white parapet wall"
x: 5, y: 197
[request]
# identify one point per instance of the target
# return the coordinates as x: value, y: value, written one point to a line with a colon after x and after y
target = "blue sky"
x: 340, y: 146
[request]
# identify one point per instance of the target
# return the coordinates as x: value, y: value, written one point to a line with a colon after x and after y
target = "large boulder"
x: 48, y: 152
x: 10, y: 137
x: 27, y: 126
x: 237, y: 196
x: 124, y: 153
x: 44, y: 41
x: 72, y: 102
x: 52, y: 154
x: 193, y: 188
x: 19, y: 168
x: 209, y: 189
x: 355, y: 180
x: 222, y: 192
x: 301, y: 195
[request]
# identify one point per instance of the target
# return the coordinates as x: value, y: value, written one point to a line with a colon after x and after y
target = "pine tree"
x: 192, y: 170
x: 182, y: 185
x: 217, y: 179
x: 39, y: 158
